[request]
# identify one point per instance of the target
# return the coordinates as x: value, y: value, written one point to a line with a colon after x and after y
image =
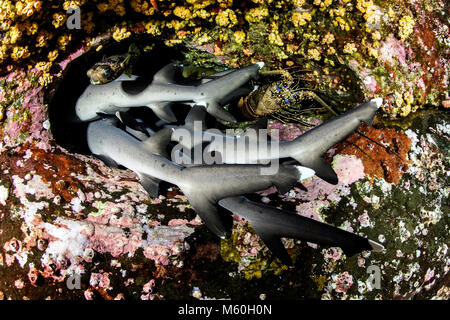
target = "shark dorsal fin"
x: 157, y: 143
x: 165, y: 75
x: 197, y: 113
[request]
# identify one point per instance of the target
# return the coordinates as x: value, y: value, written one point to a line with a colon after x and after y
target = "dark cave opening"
x: 68, y: 131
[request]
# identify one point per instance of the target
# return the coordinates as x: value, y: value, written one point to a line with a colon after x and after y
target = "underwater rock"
x: 66, y: 216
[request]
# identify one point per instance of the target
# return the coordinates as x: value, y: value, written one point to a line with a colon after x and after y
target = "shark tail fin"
x: 265, y: 229
x: 322, y: 168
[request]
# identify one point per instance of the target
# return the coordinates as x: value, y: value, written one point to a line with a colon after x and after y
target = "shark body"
x: 307, y: 149
x: 122, y: 95
x: 203, y: 185
x: 272, y: 224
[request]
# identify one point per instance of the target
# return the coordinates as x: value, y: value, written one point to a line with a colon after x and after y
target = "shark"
x: 307, y: 149
x: 122, y: 95
x: 271, y: 224
x: 203, y: 185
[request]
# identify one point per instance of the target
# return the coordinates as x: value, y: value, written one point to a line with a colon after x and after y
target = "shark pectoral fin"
x: 217, y: 111
x: 163, y: 111
x: 208, y: 213
x: 157, y: 143
x: 165, y: 75
x: 322, y: 168
x: 275, y: 245
x: 108, y: 161
x: 150, y: 184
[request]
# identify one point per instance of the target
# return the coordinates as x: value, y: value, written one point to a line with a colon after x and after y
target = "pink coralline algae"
x: 100, y: 280
x: 342, y: 282
x: 349, y: 169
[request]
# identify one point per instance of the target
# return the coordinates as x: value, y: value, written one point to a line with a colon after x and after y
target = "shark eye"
x: 106, y: 73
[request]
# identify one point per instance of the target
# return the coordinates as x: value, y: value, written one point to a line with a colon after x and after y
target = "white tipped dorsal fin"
x: 376, y: 246
x: 165, y: 75
x: 260, y: 64
x: 378, y: 101
x: 305, y: 173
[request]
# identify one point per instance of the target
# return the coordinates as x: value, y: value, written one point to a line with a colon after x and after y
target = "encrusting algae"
x: 357, y: 49
x: 281, y: 33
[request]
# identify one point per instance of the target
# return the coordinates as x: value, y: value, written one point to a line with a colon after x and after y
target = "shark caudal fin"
x: 272, y: 224
x: 310, y: 146
x: 378, y: 102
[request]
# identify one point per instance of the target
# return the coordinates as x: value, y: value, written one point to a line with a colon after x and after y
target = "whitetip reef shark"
x: 307, y: 149
x: 271, y: 224
x: 122, y: 95
x: 203, y: 185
